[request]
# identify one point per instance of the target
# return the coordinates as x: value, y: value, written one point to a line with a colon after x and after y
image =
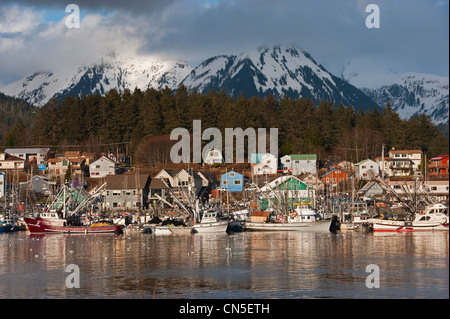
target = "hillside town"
x: 30, y: 177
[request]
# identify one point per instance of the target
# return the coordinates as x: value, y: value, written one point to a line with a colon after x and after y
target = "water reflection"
x: 242, y: 265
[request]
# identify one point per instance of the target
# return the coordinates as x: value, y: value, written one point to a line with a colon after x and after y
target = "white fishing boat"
x: 303, y: 218
x: 433, y: 217
x: 210, y: 223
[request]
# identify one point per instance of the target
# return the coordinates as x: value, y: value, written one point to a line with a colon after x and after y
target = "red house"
x: 438, y: 166
x: 335, y: 176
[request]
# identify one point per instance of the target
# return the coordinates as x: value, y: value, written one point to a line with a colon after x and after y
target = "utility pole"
x: 382, y: 161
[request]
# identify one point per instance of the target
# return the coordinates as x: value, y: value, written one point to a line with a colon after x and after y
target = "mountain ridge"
x: 277, y: 70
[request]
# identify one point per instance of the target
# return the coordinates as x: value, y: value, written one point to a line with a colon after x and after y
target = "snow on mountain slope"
x: 415, y: 93
x: 109, y: 72
x: 277, y: 70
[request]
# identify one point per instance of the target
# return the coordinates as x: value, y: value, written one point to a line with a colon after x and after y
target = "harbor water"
x: 247, y: 265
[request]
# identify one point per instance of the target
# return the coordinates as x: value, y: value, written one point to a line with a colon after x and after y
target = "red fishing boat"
x: 62, y: 216
x: 50, y: 222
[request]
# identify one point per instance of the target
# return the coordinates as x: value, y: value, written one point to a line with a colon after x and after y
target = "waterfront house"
x: 334, y: 176
x: 184, y: 181
x: 213, y: 156
x: 299, y: 164
x: 401, y: 162
x: 102, y: 167
x: 30, y: 154
x: 39, y: 184
x: 158, y: 188
x: 263, y: 164
x: 367, y: 169
x: 126, y: 192
x: 406, y: 187
x: 10, y: 162
x: 57, y: 168
x: 232, y: 181
x: 286, y: 187
x: 371, y: 189
x: 438, y: 166
x: 2, y: 184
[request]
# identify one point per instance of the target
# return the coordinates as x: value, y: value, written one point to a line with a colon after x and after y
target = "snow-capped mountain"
x: 415, y: 93
x: 277, y: 70
x: 112, y: 71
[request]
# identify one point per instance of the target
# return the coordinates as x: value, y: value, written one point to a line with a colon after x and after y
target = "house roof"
x: 157, y: 183
x: 405, y: 151
x: 366, y: 160
x: 13, y: 158
x: 103, y: 157
x: 303, y: 156
x: 127, y: 181
x: 26, y: 150
x: 334, y: 169
x: 439, y: 158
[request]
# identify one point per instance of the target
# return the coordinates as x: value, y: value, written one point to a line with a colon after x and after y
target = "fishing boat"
x: 433, y: 217
x: 303, y: 218
x: 210, y: 223
x: 52, y: 222
x: 62, y: 216
x: 6, y: 227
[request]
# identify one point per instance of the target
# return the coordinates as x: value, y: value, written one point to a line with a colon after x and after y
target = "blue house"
x: 232, y: 181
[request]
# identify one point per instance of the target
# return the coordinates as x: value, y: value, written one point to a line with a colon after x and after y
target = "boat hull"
x: 213, y: 227
x: 320, y: 226
x: 41, y: 225
x: 402, y: 226
x: 172, y: 230
x: 7, y: 228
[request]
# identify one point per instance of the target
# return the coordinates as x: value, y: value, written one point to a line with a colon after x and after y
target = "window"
x: 237, y: 182
x: 225, y: 182
x: 97, y: 166
x: 231, y: 174
x: 434, y: 188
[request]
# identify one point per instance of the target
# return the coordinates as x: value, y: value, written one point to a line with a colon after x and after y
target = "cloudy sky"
x: 412, y: 37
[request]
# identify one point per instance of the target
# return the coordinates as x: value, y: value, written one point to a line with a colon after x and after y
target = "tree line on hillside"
x: 16, y: 118
x: 131, y: 120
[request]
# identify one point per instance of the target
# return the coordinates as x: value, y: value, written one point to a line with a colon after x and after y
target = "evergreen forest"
x: 139, y: 123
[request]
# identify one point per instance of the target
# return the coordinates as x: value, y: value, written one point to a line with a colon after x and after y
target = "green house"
x: 286, y: 189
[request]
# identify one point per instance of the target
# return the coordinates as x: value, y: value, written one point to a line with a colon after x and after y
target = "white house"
x: 183, y: 179
x: 264, y: 164
x: 401, y: 162
x: 213, y: 156
x: 29, y: 154
x: 10, y: 162
x: 102, y: 167
x: 300, y: 163
x: 367, y: 169
x: 2, y: 184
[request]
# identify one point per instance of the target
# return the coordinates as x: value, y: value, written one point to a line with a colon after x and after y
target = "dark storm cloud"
x: 413, y: 35
x: 133, y: 5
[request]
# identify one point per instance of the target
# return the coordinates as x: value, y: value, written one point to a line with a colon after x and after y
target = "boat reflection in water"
x: 242, y: 265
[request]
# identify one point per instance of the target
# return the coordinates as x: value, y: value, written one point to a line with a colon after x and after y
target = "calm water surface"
x: 242, y: 265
